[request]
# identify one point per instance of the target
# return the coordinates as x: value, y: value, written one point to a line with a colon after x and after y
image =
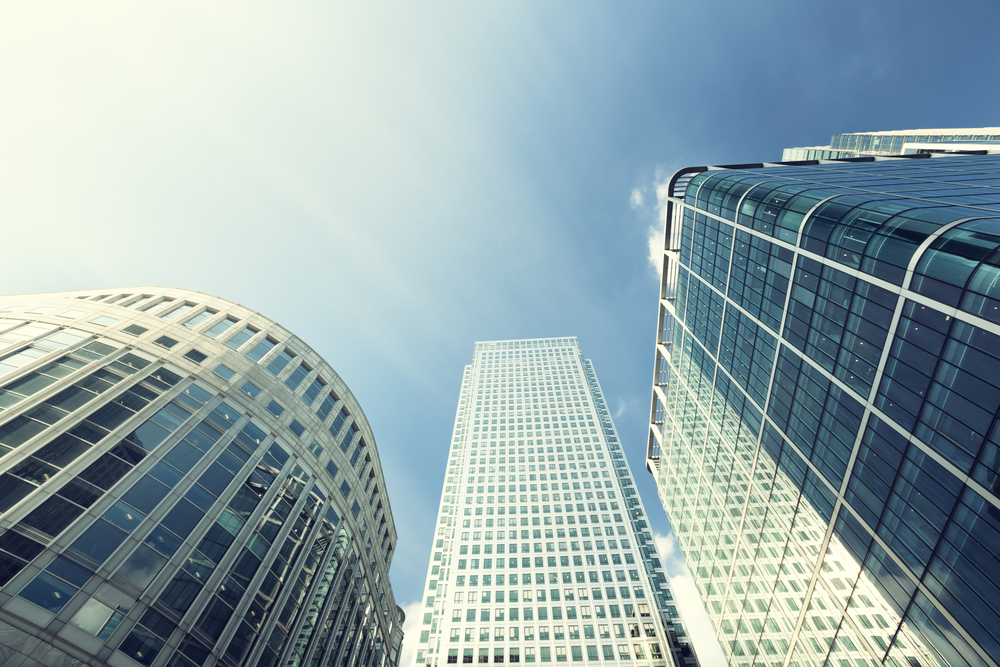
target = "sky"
x: 393, y: 182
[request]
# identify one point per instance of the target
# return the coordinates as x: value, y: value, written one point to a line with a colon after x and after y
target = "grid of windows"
x: 542, y: 545
x: 152, y: 519
x: 850, y: 522
x: 859, y: 144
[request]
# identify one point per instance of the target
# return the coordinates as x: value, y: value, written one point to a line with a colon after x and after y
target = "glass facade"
x: 825, y: 419
x: 542, y: 552
x: 861, y: 144
x: 154, y: 510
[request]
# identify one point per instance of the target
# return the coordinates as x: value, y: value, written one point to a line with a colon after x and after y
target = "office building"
x: 184, y: 482
x: 541, y: 551
x: 901, y: 142
x: 824, y: 428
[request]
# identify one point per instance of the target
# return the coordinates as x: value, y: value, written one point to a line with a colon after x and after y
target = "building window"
x: 250, y: 389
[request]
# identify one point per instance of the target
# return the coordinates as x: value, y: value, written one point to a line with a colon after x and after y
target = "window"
x: 224, y: 372
x: 296, y: 428
x: 297, y: 376
x: 104, y: 320
x: 51, y: 593
x: 326, y: 406
x: 197, y: 356
x: 261, y: 349
x: 176, y: 312
x: 313, y: 391
x: 165, y: 341
x: 99, y: 541
x: 274, y: 408
x: 199, y: 318
x: 240, y: 338
x: 279, y: 362
x: 221, y: 328
x: 152, y: 303
x: 348, y: 437
x: 135, y: 330
x: 250, y: 389
x: 338, y: 422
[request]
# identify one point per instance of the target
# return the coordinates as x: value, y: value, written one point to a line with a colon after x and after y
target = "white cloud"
x: 688, y: 600
x: 662, y: 190
x: 655, y: 233
x: 411, y: 630
x: 655, y: 240
x: 667, y: 547
x: 621, y: 408
x: 635, y: 200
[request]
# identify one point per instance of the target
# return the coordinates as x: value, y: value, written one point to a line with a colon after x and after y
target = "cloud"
x: 667, y: 547
x: 662, y: 191
x: 655, y: 240
x: 635, y: 200
x: 411, y: 630
x: 688, y: 599
x: 621, y: 408
x: 654, y: 236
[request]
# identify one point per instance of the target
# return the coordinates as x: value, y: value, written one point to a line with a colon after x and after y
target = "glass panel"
x: 99, y: 541
x: 48, y: 592
x: 141, y: 567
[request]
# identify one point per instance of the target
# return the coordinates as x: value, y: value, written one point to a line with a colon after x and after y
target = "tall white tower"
x: 542, y: 552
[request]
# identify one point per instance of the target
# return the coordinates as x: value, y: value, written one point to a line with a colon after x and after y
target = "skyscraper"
x: 184, y: 482
x: 542, y: 553
x: 824, y: 421
x: 900, y: 142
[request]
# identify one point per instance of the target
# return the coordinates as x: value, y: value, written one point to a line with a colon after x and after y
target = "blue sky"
x: 395, y: 182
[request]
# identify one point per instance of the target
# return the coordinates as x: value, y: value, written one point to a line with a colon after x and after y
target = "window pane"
x: 99, y: 541
x: 221, y: 328
x: 48, y: 592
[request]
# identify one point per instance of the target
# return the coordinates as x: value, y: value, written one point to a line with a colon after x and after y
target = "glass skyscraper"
x: 899, y: 142
x: 542, y: 553
x: 824, y: 421
x: 184, y: 482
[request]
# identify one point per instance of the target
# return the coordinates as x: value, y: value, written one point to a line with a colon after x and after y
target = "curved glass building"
x: 184, y: 482
x: 825, y: 419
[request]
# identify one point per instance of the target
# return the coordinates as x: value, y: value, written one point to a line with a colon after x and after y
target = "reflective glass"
x: 92, y: 616
x: 141, y: 567
x: 145, y: 494
x: 183, y: 518
x: 48, y: 592
x: 124, y: 517
x: 66, y: 569
x: 163, y: 541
